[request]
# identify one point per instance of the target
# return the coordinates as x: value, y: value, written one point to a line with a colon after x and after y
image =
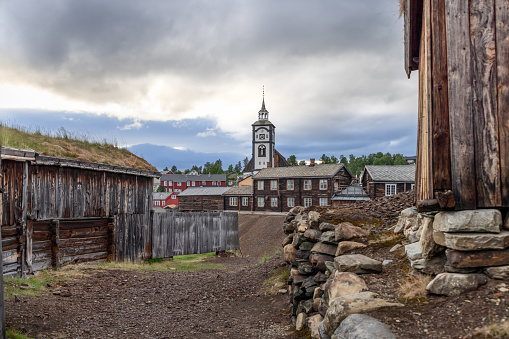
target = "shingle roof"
x: 203, y: 191
x: 396, y: 173
x: 189, y: 177
x: 325, y: 170
x: 240, y: 190
x: 160, y: 195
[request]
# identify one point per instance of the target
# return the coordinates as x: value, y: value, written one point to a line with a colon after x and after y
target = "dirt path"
x: 151, y: 304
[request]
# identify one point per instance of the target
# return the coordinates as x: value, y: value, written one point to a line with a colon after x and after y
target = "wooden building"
x: 461, y: 49
x: 239, y: 198
x: 349, y: 196
x: 384, y: 180
x: 281, y: 188
x: 202, y: 199
x: 57, y: 210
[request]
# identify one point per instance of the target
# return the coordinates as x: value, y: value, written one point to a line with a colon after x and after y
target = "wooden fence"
x: 181, y: 233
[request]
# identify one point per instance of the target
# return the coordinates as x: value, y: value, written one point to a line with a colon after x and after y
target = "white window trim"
x: 389, y: 189
x: 273, y: 187
x: 234, y: 201
x: 245, y: 201
x: 170, y: 183
x: 261, y: 199
x: 310, y: 202
x: 310, y: 185
x: 326, y: 201
x: 290, y: 184
x: 173, y: 196
x: 163, y: 202
x: 412, y: 186
x: 321, y: 182
x: 273, y: 202
x: 292, y: 204
x: 261, y: 185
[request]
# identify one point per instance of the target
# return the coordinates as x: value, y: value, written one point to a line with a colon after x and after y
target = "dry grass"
x: 414, y: 287
x: 277, y: 280
x: 64, y: 144
x: 494, y: 331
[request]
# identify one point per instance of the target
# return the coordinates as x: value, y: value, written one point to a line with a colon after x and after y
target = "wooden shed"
x: 57, y: 210
x: 461, y: 49
x: 202, y: 199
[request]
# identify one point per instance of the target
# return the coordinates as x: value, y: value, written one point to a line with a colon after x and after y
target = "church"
x: 264, y: 153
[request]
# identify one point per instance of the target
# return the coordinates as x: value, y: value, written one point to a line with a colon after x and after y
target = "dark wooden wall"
x: 239, y: 206
x: 201, y: 203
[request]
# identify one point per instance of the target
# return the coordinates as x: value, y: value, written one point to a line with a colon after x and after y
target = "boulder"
x: 301, y: 321
x: 312, y: 235
x: 413, y: 232
x: 432, y: 266
x: 448, y: 268
x: 342, y: 307
x: 344, y: 283
x: 361, y: 326
x: 454, y: 284
x: 320, y: 247
x: 406, y: 220
x: 303, y: 254
x: 330, y: 266
x: 289, y: 228
x: 472, y: 241
x: 328, y: 237
x: 298, y: 239
x: 321, y: 331
x: 302, y: 226
x: 347, y: 231
x: 500, y: 272
x: 306, y: 269
x: 327, y: 226
x: 464, y: 259
x: 296, y: 210
x: 347, y: 246
x: 318, y: 260
x: 305, y: 306
x: 428, y: 246
x: 321, y: 277
x: 357, y: 263
x: 296, y: 277
x: 484, y: 221
x: 290, y: 253
x: 313, y: 323
x: 413, y: 251
x: 313, y: 218
x: 322, y: 308
x: 288, y: 240
x: 395, y: 248
x: 306, y: 245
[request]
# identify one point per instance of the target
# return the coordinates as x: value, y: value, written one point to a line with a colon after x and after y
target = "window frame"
x: 292, y: 204
x: 262, y: 200
x: 388, y: 189
x: 323, y: 181
x: 234, y: 201
x: 273, y: 202
x: 306, y: 182
x: 273, y: 185
x: 326, y: 201
x: 306, y: 200
x: 245, y: 201
x: 290, y: 184
x: 261, y: 185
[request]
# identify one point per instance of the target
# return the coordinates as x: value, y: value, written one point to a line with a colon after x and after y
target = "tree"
x: 174, y: 169
x: 230, y: 169
x: 325, y: 159
x: 161, y: 188
x: 246, y: 161
x: 238, y: 167
x: 302, y: 163
x: 334, y: 160
x: 166, y: 169
x: 292, y: 160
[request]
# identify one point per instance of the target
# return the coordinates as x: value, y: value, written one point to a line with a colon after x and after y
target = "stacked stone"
x: 325, y: 287
x: 469, y: 246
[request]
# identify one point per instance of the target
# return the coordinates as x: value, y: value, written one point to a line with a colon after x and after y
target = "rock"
x: 357, y: 263
x: 290, y: 253
x: 321, y: 331
x: 328, y: 238
x: 485, y: 221
x: 428, y: 246
x: 342, y: 307
x: 296, y: 210
x: 386, y: 262
x: 298, y: 239
x: 313, y: 235
x: 344, y: 283
x: 432, y: 266
x: 303, y: 254
x: 413, y: 233
x: 330, y: 266
x: 306, y: 246
x: 463, y: 259
x: 309, y: 282
x: 306, y: 306
x: 282, y: 291
x: 321, y: 277
x: 318, y: 260
x: 313, y: 219
x: 289, y: 228
x: 320, y: 247
x: 347, y: 231
x: 301, y: 216
x: 472, y: 241
x: 288, y: 240
x: 306, y: 269
x: 454, y: 284
x: 395, y: 248
x: 302, y: 226
x: 322, y: 308
x: 406, y: 220
x: 313, y: 323
x: 301, y: 321
x: 297, y: 278
x: 347, y: 246
x: 326, y: 226
x: 361, y: 326
x: 413, y: 251
x: 448, y: 268
x: 506, y: 222
x: 500, y: 272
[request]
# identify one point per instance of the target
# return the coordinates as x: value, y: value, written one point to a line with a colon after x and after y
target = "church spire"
x: 263, y: 114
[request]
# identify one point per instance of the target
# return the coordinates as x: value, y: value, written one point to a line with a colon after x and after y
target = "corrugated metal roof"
x: 396, y: 173
x: 203, y: 191
x: 352, y: 193
x: 323, y: 170
x: 190, y: 177
x: 240, y: 190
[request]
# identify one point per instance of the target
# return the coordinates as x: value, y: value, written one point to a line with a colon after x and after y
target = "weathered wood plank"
x: 487, y: 155
x: 459, y: 65
x: 502, y: 45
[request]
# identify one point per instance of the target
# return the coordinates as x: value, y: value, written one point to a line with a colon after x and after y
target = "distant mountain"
x: 165, y: 156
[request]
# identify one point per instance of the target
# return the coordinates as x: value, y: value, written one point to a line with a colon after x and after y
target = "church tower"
x: 263, y: 140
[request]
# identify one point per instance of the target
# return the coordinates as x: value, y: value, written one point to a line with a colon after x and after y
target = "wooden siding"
x: 239, y: 206
x: 201, y: 203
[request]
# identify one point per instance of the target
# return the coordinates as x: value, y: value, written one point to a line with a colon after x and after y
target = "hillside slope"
x: 260, y: 234
x: 62, y: 144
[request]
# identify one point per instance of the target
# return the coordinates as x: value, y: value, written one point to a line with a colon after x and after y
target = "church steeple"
x: 263, y: 114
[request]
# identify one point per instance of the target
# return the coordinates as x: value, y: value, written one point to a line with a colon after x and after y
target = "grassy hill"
x: 63, y: 144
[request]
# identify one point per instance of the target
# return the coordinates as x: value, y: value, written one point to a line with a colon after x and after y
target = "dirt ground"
x: 260, y: 234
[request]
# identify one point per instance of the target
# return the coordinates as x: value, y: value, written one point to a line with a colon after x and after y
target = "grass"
x: 414, y: 287
x: 268, y: 256
x: 277, y: 280
x: 183, y: 263
x: 66, y: 144
x: 13, y: 333
x: 495, y: 331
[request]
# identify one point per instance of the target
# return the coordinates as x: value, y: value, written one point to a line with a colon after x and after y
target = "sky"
x: 179, y: 82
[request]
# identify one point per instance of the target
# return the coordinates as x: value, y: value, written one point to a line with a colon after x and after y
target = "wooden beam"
x: 487, y: 155
x: 459, y: 65
x: 2, y: 301
x: 502, y: 52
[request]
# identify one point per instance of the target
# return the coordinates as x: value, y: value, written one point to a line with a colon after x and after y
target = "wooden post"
x: 111, y: 240
x: 26, y: 253
x: 55, y: 244
x: 2, y: 301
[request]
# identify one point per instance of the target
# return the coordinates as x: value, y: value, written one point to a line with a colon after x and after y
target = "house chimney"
x: 311, y: 162
x: 269, y: 164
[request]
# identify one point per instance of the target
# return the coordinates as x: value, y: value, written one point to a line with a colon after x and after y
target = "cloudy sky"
x: 188, y: 75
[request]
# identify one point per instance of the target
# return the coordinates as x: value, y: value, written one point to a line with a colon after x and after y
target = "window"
x: 323, y: 185
x: 163, y: 203
x: 170, y: 183
x: 260, y: 185
x: 307, y: 185
x: 178, y: 183
x: 194, y: 183
x: 213, y: 183
x: 157, y: 203
x: 412, y: 186
x: 188, y: 183
x: 178, y: 191
x: 273, y: 185
x: 261, y: 203
x: 307, y: 202
x: 203, y: 182
x: 289, y: 184
x: 233, y: 201
x: 245, y: 201
x: 323, y: 201
x: 390, y: 189
x: 173, y: 196
x: 291, y: 202
x: 273, y: 201
x: 261, y: 151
